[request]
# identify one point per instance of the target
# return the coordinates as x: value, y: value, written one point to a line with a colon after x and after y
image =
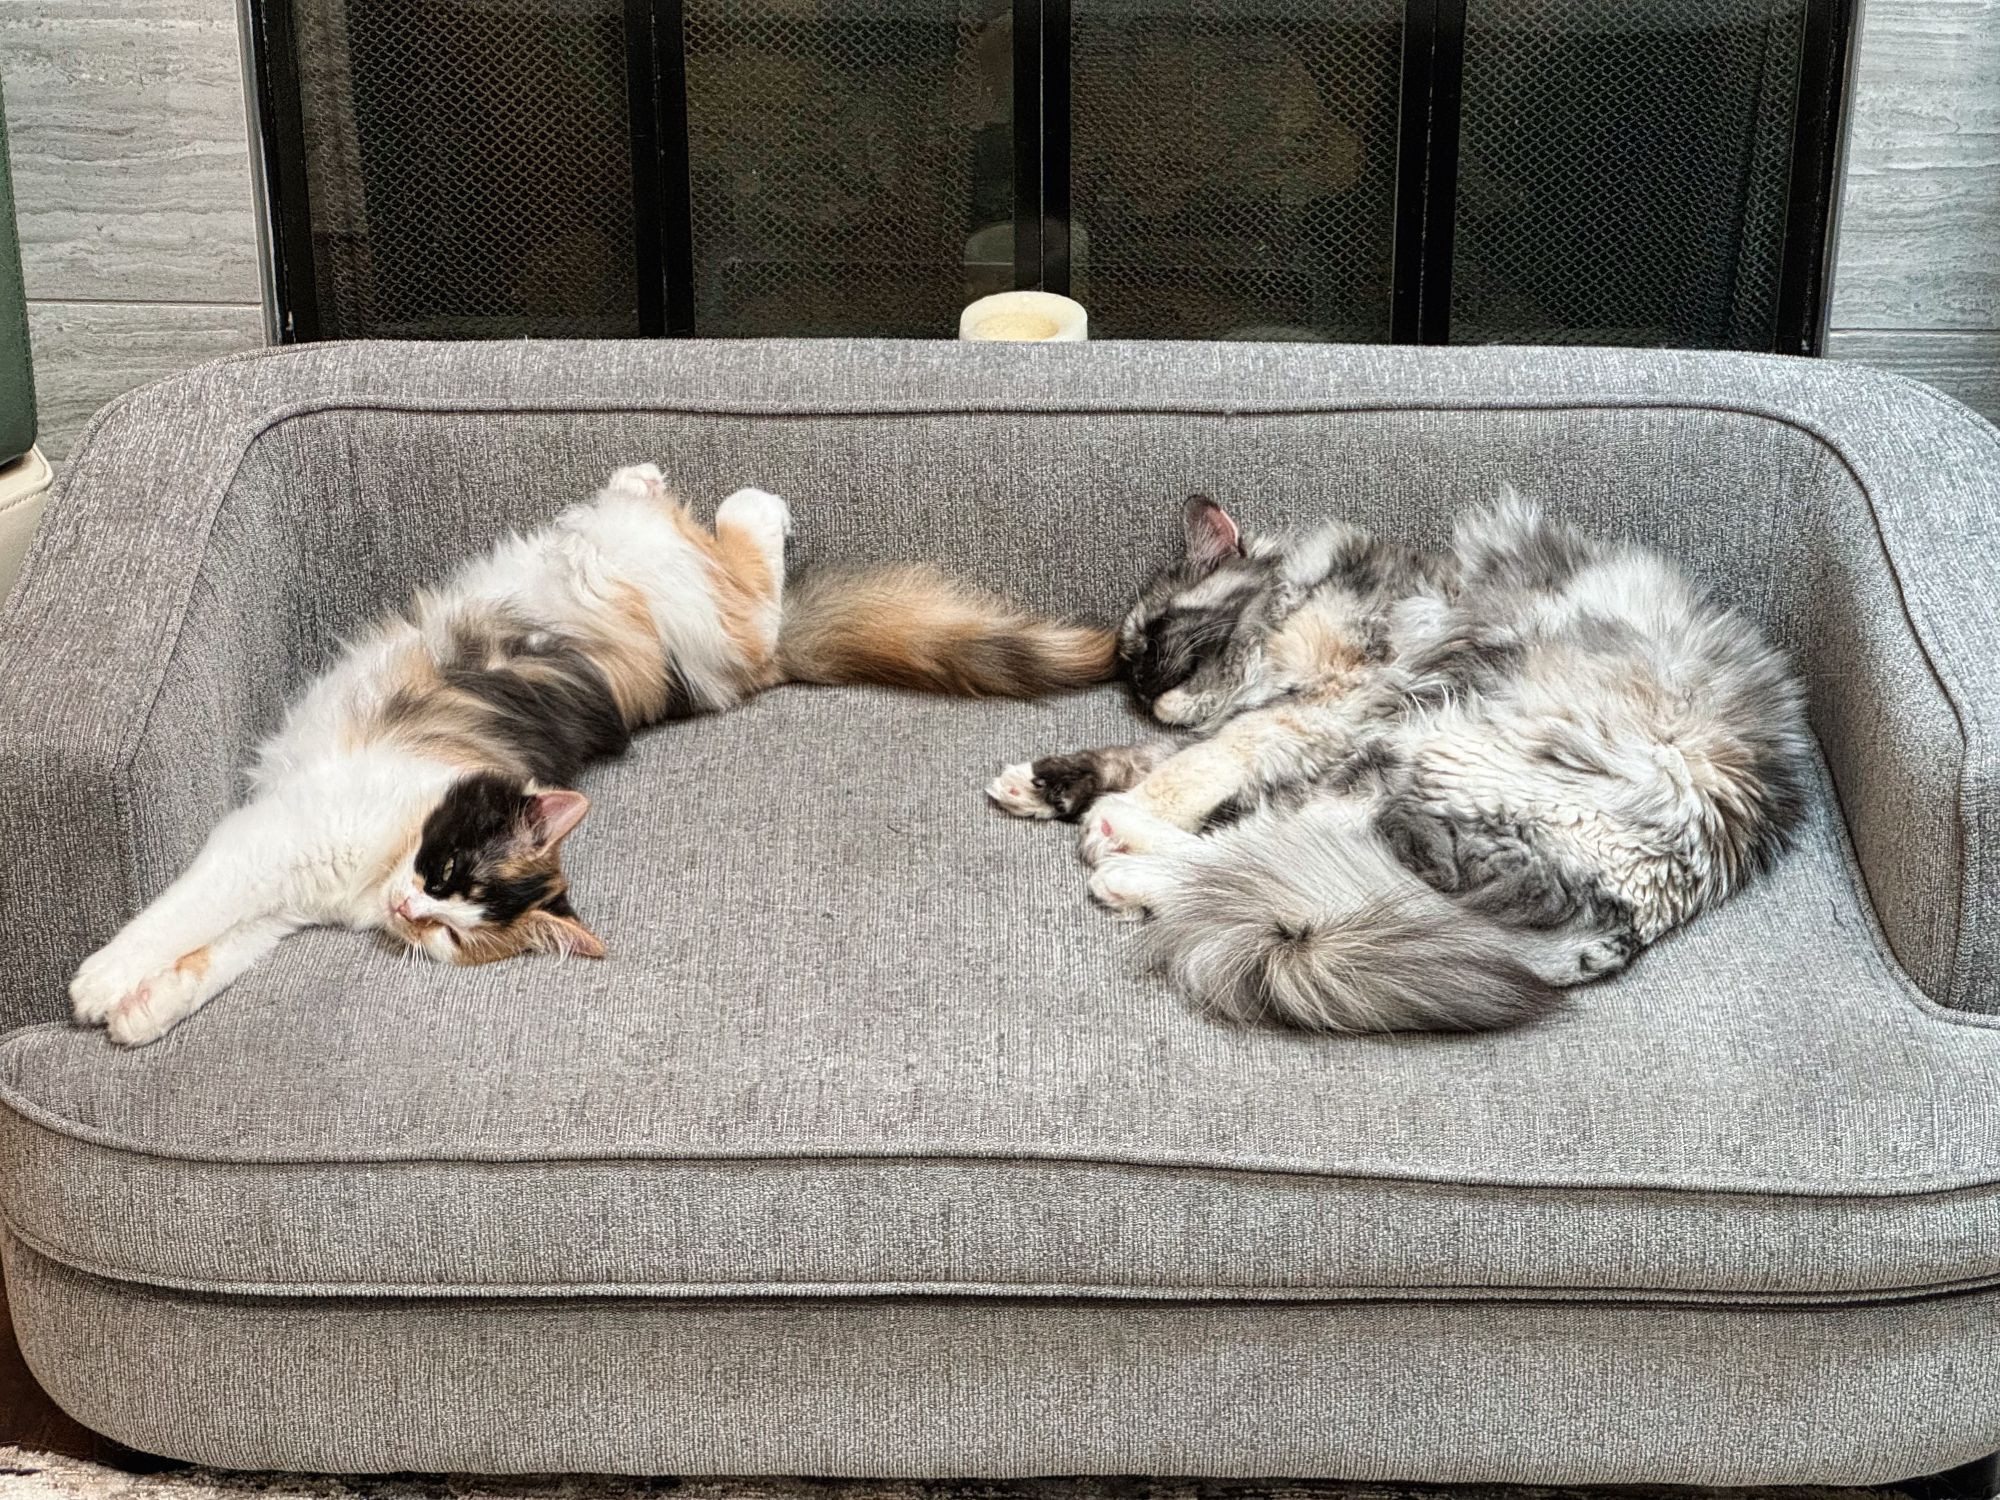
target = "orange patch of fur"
x: 1312, y: 643
x: 743, y: 590
x: 629, y: 655
x: 194, y: 965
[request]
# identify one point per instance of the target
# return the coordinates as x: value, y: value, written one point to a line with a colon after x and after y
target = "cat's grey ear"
x: 553, y: 815
x: 1212, y: 537
x: 549, y: 931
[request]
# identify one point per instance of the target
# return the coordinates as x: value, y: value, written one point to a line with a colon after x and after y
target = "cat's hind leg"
x: 750, y: 531
x: 1064, y: 786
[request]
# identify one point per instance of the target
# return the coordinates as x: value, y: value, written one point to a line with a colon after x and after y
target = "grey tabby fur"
x: 1429, y: 792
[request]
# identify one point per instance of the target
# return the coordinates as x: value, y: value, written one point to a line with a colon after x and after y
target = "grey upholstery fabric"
x: 215, y: 529
x: 860, y: 1038
x: 1466, y: 1390
x: 857, y: 1030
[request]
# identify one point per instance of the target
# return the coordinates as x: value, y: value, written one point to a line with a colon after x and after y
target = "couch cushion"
x: 1481, y: 1390
x: 859, y: 1032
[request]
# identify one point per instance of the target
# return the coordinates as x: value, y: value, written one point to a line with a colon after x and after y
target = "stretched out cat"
x: 422, y: 783
x: 1431, y: 791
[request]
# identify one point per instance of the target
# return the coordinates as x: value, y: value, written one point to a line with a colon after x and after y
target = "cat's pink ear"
x: 1212, y: 537
x: 552, y: 815
x: 550, y: 932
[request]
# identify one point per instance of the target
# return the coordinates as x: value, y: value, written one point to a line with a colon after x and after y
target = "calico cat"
x: 1430, y: 791
x: 423, y: 783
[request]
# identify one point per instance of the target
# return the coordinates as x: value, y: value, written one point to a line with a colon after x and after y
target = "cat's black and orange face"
x: 486, y: 880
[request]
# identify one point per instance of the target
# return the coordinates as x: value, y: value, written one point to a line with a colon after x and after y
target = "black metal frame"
x: 282, y: 138
x: 1819, y: 136
x: 662, y: 220
x: 1426, y: 169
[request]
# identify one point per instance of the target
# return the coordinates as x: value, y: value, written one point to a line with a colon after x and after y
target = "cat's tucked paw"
x: 1015, y: 793
x: 1607, y: 956
x: 1583, y: 959
x: 758, y: 512
x: 1128, y: 886
x: 1122, y: 824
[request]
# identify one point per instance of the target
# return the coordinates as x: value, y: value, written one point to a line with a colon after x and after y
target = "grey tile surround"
x: 132, y: 174
x: 1917, y: 282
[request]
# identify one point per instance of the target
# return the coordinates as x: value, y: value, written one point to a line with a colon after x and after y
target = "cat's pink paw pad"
x: 1117, y: 825
x: 153, y: 1009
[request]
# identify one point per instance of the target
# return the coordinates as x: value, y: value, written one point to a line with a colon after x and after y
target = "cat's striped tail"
x: 1306, y: 919
x: 909, y: 625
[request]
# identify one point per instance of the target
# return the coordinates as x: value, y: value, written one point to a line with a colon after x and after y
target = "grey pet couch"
x: 869, y: 1150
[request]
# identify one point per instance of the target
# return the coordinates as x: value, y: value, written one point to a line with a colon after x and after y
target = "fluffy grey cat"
x: 1429, y: 792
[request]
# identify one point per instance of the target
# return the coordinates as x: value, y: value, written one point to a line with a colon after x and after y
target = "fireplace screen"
x: 1583, y: 171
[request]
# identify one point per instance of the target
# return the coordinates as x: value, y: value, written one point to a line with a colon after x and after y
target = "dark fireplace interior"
x: 1522, y: 171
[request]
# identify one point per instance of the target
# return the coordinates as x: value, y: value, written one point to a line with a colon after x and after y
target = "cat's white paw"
x: 1128, y: 886
x: 760, y: 513
x: 1122, y: 824
x: 153, y: 1009
x: 162, y: 1002
x: 641, y: 481
x: 1013, y: 792
x: 137, y: 1002
x: 107, y: 977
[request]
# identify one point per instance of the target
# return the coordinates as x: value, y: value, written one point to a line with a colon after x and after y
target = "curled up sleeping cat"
x: 422, y: 784
x: 1429, y: 792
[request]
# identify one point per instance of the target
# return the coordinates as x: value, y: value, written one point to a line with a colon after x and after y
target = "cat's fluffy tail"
x: 1306, y: 919
x: 909, y: 625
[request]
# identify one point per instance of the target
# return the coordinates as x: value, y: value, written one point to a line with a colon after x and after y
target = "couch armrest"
x: 85, y: 638
x: 1928, y: 472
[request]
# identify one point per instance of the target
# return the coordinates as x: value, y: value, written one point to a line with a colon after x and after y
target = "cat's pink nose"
x: 402, y: 909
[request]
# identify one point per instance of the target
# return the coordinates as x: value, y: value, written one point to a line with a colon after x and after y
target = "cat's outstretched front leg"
x: 1064, y: 786
x: 164, y: 1000
x: 1252, y: 754
x: 200, y: 933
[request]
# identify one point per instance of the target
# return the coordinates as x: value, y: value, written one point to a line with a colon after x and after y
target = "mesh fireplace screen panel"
x: 1233, y: 166
x: 850, y: 163
x: 1624, y: 171
x: 468, y: 166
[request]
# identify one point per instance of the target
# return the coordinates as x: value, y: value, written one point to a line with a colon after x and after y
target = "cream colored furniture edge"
x: 24, y: 485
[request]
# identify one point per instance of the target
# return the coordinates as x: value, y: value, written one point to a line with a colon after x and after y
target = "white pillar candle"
x: 1024, y: 318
